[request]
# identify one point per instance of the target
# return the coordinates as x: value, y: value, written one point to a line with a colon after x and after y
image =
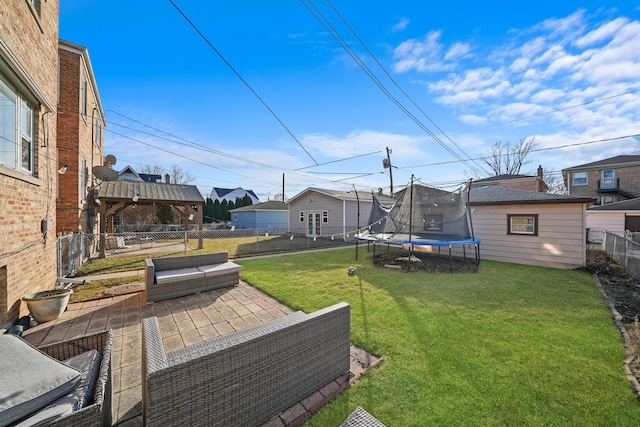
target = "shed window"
x: 580, y: 178
x: 325, y: 217
x: 522, y: 224
x: 301, y: 216
x: 235, y: 217
x: 433, y: 222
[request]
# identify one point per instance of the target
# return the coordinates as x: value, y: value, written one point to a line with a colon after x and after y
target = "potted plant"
x: 45, y: 306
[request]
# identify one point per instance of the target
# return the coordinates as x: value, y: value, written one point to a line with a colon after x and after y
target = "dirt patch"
x: 623, y: 291
x: 424, y: 263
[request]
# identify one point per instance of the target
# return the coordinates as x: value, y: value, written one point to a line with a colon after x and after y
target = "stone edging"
x: 629, y: 355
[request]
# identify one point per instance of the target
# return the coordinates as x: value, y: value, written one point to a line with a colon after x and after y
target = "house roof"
x: 626, y: 160
x: 507, y: 196
x: 221, y: 192
x: 269, y: 205
x: 150, y: 192
x: 343, y: 195
x: 625, y: 205
x: 503, y: 177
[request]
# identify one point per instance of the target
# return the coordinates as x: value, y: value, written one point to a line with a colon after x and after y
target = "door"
x: 313, y: 224
x: 608, y: 179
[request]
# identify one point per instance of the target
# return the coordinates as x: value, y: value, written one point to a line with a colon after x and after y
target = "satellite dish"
x: 105, y: 173
x: 110, y: 160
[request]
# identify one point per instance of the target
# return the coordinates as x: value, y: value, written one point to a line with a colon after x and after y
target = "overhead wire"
x: 319, y: 16
x: 395, y: 83
x: 228, y: 64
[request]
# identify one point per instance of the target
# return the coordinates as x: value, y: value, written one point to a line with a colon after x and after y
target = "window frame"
x: 24, y: 137
x: 83, y: 179
x: 302, y: 216
x: 325, y: 216
x: 574, y: 176
x: 510, y: 224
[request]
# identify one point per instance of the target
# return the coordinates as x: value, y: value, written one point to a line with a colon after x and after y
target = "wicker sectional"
x: 172, y: 277
x: 247, y: 377
x: 99, y: 412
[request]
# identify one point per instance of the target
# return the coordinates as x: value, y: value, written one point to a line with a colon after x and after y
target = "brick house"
x: 608, y: 181
x: 28, y: 151
x: 515, y: 182
x: 81, y: 124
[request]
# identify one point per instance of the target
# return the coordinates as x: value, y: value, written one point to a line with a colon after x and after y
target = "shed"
x: 271, y: 216
x: 527, y: 227
x: 614, y: 218
x: 321, y: 212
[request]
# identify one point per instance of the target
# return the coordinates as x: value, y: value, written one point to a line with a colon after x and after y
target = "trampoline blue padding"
x: 414, y: 240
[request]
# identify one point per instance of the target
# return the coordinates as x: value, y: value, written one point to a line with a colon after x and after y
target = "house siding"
x: 560, y: 242
x: 613, y: 222
x: 29, y: 47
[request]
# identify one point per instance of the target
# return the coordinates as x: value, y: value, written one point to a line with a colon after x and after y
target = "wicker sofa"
x: 172, y: 277
x: 97, y: 411
x: 247, y: 377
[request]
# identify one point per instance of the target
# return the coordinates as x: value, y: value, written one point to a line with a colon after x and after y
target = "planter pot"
x: 45, y: 306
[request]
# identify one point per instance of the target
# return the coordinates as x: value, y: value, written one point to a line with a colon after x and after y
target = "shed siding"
x: 613, y: 222
x: 560, y: 241
x: 342, y: 215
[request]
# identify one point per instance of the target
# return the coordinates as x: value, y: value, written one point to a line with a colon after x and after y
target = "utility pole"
x: 386, y: 163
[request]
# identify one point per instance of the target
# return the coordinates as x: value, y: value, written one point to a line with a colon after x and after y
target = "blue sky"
x: 274, y: 92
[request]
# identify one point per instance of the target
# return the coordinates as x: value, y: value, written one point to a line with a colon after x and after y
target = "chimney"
x: 540, y: 171
x: 167, y: 178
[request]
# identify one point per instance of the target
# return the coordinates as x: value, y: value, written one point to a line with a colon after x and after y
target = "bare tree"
x: 177, y: 174
x: 554, y: 181
x: 180, y: 176
x: 505, y: 158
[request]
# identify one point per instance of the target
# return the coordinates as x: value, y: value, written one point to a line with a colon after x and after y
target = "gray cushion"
x: 170, y: 276
x: 88, y: 363
x: 216, y: 269
x: 30, y: 379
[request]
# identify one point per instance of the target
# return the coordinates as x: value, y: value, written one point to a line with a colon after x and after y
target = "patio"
x: 183, y: 321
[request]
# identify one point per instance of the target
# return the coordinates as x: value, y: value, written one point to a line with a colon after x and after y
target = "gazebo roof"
x: 155, y: 192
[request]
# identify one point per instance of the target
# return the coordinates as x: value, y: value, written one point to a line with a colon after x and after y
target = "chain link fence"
x: 85, y: 254
x: 625, y: 250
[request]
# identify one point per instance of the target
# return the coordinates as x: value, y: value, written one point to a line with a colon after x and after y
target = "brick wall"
x: 76, y: 140
x: 628, y: 175
x: 27, y: 261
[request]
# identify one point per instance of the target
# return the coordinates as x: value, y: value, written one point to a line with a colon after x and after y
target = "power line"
x: 317, y: 14
x: 243, y: 80
x: 390, y: 77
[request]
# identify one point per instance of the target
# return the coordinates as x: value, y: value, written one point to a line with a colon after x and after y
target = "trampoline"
x: 423, y: 216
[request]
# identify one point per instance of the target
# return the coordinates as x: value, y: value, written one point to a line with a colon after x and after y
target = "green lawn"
x: 509, y: 345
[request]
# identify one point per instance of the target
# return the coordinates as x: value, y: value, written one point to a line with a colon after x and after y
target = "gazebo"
x: 116, y: 196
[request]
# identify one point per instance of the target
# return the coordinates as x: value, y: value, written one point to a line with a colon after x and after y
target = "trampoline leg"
x: 450, y: 262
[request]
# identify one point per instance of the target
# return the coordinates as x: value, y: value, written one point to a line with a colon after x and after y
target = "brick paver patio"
x: 183, y: 321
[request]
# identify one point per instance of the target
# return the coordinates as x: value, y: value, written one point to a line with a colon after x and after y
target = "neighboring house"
x: 610, y: 180
x: 319, y: 212
x: 515, y: 182
x: 129, y: 174
x: 28, y: 151
x: 614, y: 218
x: 231, y: 194
x: 81, y: 124
x: 271, y: 216
x: 527, y: 227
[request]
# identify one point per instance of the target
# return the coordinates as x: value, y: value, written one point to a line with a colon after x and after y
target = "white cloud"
x: 400, y: 25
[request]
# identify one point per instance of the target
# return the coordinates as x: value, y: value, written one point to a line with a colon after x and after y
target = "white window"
x: 579, y: 178
x: 235, y: 217
x: 83, y: 96
x: 325, y: 217
x: 98, y: 133
x: 16, y: 129
x: 83, y: 180
x: 301, y: 216
x: 522, y: 224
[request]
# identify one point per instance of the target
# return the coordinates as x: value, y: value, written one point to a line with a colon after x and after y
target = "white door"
x: 313, y: 224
